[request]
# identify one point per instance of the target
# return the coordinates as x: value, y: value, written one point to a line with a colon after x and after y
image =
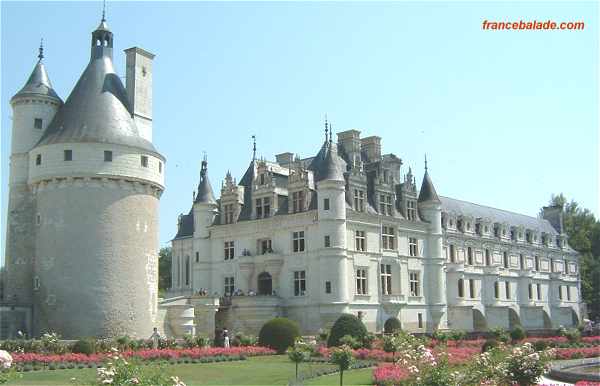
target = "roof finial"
x: 330, y: 134
x: 326, y: 127
x: 254, y: 148
x: 41, y: 54
x: 425, y: 161
x: 103, y: 10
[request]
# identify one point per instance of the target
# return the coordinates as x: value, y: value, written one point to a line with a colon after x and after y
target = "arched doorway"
x: 574, y: 318
x: 479, y: 321
x: 513, y: 319
x: 265, y: 284
x: 547, y: 320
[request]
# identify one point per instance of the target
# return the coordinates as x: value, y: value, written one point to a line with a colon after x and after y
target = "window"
x: 327, y: 287
x: 413, y: 247
x: 487, y: 258
x: 144, y: 161
x: 539, y: 291
x: 37, y: 123
x: 38, y: 219
x: 327, y: 241
x: 68, y: 155
x: 187, y: 270
x: 229, y: 286
x: 298, y: 201
x: 507, y: 289
x: 298, y: 241
x: 568, y: 289
x: 265, y: 246
x: 385, y: 204
x: 263, y: 207
x: 361, y: 281
x: 560, y: 294
x: 360, y: 241
x: 197, y: 257
x: 359, y: 200
x: 420, y: 319
x: 505, y: 259
x: 259, y: 208
x: 159, y: 167
x: 414, y: 284
x: 326, y: 204
x: 38, y: 159
x: 386, y: 175
x: 521, y: 261
x: 452, y: 253
x: 530, y: 291
x: 386, y: 279
x: 229, y: 250
x: 388, y: 238
x: 108, y: 156
x: 461, y: 288
x: 36, y: 283
x: 469, y: 255
x: 262, y: 179
x: 472, y: 288
x: 496, y: 290
x: 411, y: 210
x: 228, y: 213
x: 299, y: 283
x: 537, y: 263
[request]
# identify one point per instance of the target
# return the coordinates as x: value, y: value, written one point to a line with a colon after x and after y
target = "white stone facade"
x: 387, y: 254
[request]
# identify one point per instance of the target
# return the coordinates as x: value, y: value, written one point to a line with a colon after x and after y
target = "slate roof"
x: 451, y: 205
x: 186, y: 226
x: 205, y: 191
x: 427, y: 192
x: 38, y: 84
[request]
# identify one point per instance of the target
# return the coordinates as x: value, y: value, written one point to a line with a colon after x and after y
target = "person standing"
x: 225, y: 338
x: 155, y: 337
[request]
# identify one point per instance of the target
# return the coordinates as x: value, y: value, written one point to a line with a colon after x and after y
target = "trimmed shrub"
x: 346, y: 324
x: 392, y: 325
x: 573, y: 335
x: 279, y: 334
x: 517, y: 333
x: 84, y: 346
x: 457, y: 335
x: 540, y: 345
x: 500, y: 334
x: 489, y: 344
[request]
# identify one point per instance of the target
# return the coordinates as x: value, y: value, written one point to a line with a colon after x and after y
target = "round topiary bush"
x: 279, y: 334
x: 489, y: 344
x: 392, y: 325
x: 517, y: 333
x: 346, y: 324
x: 84, y: 346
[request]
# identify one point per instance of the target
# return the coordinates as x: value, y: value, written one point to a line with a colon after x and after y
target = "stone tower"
x: 95, y: 181
x: 33, y: 108
x: 434, y: 285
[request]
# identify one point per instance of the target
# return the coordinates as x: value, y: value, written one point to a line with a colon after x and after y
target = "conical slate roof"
x: 332, y: 168
x: 427, y: 192
x: 97, y: 110
x: 205, y: 192
x: 38, y: 84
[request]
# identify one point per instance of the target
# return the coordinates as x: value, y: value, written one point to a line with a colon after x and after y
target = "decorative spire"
x: 254, y: 148
x: 41, y: 49
x: 425, y: 162
x: 326, y: 127
x: 330, y: 134
x: 204, y: 166
x: 103, y: 11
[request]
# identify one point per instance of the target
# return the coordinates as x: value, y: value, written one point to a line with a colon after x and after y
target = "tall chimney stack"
x: 139, y: 88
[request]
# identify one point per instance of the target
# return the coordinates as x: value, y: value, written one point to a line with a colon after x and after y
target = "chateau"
x: 85, y: 183
x: 346, y: 231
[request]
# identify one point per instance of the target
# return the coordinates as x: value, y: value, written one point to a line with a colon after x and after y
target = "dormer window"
x: 478, y: 228
x: 228, y: 213
x: 411, y: 211
x: 262, y: 178
x: 468, y: 226
x: 359, y: 200
x: 451, y: 222
x: 513, y: 235
x: 385, y: 204
x: 486, y: 229
x: 298, y: 201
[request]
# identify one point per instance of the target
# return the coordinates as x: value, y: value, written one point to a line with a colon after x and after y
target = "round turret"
x: 205, y: 205
x: 97, y: 184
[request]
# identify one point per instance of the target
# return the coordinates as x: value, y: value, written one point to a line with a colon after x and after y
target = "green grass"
x: 352, y: 377
x: 268, y: 370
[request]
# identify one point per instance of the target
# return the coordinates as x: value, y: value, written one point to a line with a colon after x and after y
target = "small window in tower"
x: 38, y: 159
x: 144, y: 160
x: 159, y: 167
x: 327, y: 287
x: 326, y: 204
x: 37, y: 123
x: 108, y: 156
x: 327, y: 241
x: 36, y: 283
x: 68, y: 155
x: 38, y: 219
x: 197, y: 257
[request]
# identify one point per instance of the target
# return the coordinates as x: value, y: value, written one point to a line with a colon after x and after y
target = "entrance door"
x: 265, y: 284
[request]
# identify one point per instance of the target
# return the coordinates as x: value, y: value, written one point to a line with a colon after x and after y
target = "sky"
x: 506, y: 118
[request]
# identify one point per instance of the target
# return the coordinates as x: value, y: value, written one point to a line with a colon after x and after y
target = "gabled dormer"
x: 232, y: 199
x: 407, y: 197
x: 300, y: 188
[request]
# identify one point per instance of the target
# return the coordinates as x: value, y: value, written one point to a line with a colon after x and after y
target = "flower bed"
x: 575, y: 353
x: 389, y: 374
x: 144, y: 355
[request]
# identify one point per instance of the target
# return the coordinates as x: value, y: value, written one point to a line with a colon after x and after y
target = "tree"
x: 298, y: 353
x: 583, y: 231
x: 342, y: 356
x: 164, y: 268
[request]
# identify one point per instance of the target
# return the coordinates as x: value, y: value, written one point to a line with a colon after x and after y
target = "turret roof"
x: 38, y: 84
x: 427, y: 192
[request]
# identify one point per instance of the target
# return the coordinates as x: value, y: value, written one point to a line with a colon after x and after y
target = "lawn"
x: 267, y: 370
x: 352, y: 377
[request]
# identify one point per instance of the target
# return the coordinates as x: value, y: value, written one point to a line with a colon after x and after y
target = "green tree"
x: 583, y: 231
x: 164, y: 268
x: 342, y: 356
x: 298, y: 353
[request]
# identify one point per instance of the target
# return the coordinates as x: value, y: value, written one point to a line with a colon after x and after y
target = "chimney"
x: 554, y: 214
x: 349, y: 141
x: 372, y: 146
x: 139, y: 88
x: 284, y: 159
